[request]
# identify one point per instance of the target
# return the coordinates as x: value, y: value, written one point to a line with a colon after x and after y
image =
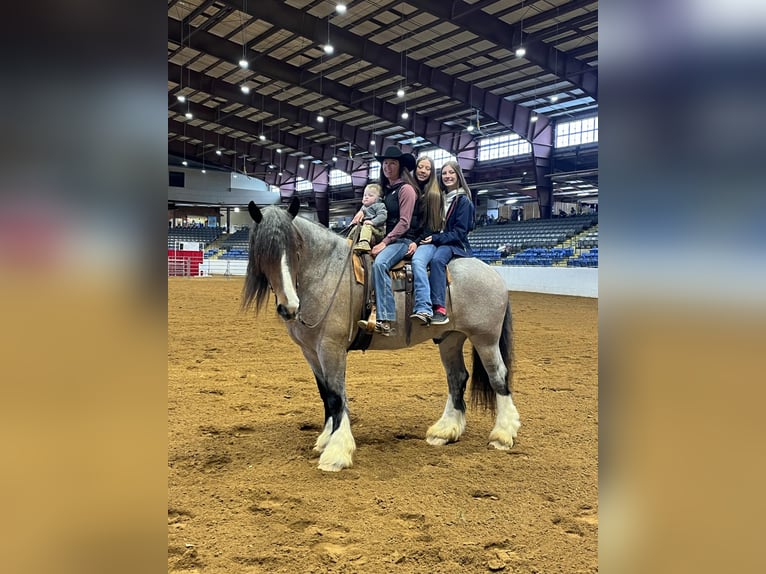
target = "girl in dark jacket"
x: 438, y: 249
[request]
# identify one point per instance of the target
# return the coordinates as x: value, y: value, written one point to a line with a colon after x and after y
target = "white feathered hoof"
x: 500, y: 443
x: 447, y: 429
x: 507, y: 424
x: 339, y: 449
x: 324, y: 437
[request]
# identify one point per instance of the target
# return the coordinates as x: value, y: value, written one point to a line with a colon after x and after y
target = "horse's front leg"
x: 451, y: 425
x: 335, y: 442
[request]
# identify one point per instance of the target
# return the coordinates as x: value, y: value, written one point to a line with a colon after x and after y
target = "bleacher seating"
x: 235, y: 246
x: 585, y: 259
x: 523, y: 236
x: 203, y: 235
x: 540, y: 256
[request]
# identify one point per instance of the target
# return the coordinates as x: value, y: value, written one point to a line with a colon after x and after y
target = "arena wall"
x: 580, y: 282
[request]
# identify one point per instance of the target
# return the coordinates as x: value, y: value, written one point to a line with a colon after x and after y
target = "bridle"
x: 299, y: 316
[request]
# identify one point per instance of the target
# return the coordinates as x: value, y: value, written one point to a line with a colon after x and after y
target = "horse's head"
x: 274, y: 251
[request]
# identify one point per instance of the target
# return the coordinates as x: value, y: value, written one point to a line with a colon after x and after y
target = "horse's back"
x: 477, y: 300
x: 474, y: 283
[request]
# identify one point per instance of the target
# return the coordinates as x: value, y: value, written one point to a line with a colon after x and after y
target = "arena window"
x: 577, y: 132
x: 506, y: 145
x: 303, y: 185
x: 338, y: 177
x: 440, y: 156
x: 374, y: 171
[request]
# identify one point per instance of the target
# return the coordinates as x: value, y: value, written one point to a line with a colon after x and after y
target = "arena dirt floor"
x: 244, y: 493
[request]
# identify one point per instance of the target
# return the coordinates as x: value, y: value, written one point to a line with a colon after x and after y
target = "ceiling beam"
x: 316, y: 29
x: 281, y: 71
x: 511, y: 37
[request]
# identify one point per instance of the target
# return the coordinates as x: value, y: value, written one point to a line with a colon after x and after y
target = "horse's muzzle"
x: 285, y: 313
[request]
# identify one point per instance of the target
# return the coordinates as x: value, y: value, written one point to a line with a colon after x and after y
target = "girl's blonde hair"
x: 432, y: 197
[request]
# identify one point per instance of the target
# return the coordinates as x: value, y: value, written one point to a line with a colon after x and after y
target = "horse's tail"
x: 482, y: 393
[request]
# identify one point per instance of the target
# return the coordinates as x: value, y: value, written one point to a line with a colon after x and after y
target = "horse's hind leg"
x: 495, y: 373
x: 451, y: 425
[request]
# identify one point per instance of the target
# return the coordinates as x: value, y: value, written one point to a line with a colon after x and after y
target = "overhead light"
x: 482, y: 191
x: 328, y: 49
x: 181, y: 98
x: 301, y: 165
x: 400, y: 93
x: 236, y: 210
x: 469, y: 128
x: 280, y: 174
x: 372, y: 142
x: 533, y: 118
x: 334, y: 158
x: 188, y: 115
x: 262, y: 137
x: 203, y: 171
x: 520, y: 51
x: 245, y: 89
x: 243, y: 64
x: 218, y: 152
x: 405, y: 115
x: 279, y: 150
x: 509, y: 201
x: 340, y: 8
x: 184, y: 162
x: 554, y: 99
x: 320, y: 118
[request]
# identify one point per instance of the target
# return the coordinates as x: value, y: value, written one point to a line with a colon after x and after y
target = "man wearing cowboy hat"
x: 403, y: 220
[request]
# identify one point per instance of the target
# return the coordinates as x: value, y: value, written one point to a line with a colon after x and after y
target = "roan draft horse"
x: 308, y: 268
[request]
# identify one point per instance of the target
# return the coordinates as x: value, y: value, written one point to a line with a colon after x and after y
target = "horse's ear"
x: 255, y: 213
x: 295, y: 205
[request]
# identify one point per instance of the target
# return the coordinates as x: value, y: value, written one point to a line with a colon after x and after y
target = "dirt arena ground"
x: 244, y: 494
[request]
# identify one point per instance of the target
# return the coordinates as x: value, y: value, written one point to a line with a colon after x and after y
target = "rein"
x: 334, y: 293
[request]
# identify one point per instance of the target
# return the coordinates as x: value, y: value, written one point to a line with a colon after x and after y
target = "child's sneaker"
x: 383, y: 328
x: 439, y: 318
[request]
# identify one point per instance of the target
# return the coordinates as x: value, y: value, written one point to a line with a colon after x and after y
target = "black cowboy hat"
x: 393, y: 152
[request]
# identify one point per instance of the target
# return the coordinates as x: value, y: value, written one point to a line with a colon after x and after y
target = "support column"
x: 542, y: 149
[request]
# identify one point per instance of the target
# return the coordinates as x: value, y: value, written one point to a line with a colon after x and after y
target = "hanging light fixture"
x: 243, y: 63
x: 218, y: 134
x: 328, y: 48
x: 320, y: 117
x: 520, y: 51
x: 340, y: 8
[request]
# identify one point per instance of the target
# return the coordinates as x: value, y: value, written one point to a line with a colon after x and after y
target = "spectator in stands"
x: 404, y: 211
x: 504, y: 250
x: 372, y: 216
x: 440, y: 247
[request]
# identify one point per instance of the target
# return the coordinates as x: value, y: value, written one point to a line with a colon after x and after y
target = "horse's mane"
x: 276, y: 233
x: 270, y: 238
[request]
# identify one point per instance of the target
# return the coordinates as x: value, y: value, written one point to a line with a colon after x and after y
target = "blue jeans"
x: 420, y: 261
x: 384, y: 295
x: 438, y: 277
